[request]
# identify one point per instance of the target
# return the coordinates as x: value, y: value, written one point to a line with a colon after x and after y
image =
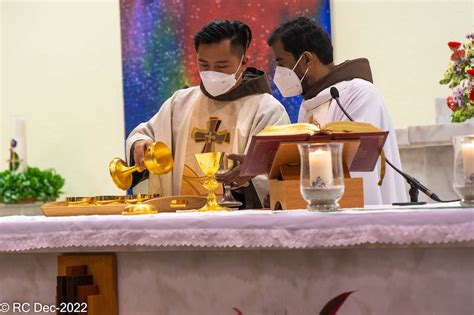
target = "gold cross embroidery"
x: 211, y: 136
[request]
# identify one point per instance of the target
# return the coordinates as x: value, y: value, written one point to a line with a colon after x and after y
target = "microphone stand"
x: 415, y: 185
x: 414, y: 190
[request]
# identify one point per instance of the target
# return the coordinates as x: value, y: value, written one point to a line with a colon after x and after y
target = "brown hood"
x: 255, y: 82
x: 348, y: 70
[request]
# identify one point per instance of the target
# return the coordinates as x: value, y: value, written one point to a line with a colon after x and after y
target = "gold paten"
x: 209, y: 164
x: 158, y: 160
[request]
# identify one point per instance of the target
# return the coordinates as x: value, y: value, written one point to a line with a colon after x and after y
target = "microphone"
x: 335, y: 95
x: 415, y: 185
x: 334, y: 92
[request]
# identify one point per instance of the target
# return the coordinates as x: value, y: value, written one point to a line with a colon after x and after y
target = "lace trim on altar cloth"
x: 243, y: 238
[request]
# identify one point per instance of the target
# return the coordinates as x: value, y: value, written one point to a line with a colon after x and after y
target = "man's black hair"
x: 303, y: 34
x: 216, y: 31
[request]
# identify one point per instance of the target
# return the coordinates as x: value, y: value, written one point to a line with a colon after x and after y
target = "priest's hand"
x: 139, y: 150
x: 233, y: 177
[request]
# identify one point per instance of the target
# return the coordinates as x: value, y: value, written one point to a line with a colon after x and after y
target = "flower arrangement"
x: 460, y: 78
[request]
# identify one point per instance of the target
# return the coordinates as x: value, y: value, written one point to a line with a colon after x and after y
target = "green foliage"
x: 462, y: 114
x: 31, y: 184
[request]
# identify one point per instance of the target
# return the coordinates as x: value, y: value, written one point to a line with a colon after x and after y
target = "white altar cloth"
x: 250, y: 229
x: 410, y: 262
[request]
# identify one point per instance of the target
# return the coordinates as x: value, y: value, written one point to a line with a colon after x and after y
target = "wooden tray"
x: 164, y: 204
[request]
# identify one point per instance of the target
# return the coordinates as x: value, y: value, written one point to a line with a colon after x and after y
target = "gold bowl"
x: 135, y: 198
x: 107, y: 200
x: 80, y: 201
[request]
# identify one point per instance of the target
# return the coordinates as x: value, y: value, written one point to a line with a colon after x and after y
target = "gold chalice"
x: 209, y: 164
x: 158, y: 160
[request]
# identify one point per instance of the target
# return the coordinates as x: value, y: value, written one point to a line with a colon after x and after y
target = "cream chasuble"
x: 188, y: 115
x: 212, y: 127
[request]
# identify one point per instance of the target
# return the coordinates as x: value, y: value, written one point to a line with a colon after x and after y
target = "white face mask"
x: 218, y: 83
x: 287, y: 81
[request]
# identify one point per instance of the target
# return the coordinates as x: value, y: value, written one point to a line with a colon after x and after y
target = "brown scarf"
x: 348, y: 70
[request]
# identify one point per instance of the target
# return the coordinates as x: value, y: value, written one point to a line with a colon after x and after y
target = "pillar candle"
x: 468, y: 158
x: 320, y: 164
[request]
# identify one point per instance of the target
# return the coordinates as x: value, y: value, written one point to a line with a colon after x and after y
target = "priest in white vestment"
x: 303, y: 52
x: 232, y: 104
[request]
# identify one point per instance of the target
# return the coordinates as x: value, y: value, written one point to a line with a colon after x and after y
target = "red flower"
x: 470, y: 72
x: 450, y: 103
x: 458, y: 54
x: 471, y: 95
x: 454, y: 45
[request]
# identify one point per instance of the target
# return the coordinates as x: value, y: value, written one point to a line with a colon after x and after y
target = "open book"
x: 363, y: 144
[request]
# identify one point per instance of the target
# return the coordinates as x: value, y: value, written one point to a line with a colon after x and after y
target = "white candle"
x: 468, y: 158
x: 320, y: 164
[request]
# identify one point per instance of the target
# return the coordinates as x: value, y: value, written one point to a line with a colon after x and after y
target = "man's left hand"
x: 233, y: 177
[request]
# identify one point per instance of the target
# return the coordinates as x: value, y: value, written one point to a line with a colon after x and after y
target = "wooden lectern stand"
x: 278, y: 157
x: 284, y: 182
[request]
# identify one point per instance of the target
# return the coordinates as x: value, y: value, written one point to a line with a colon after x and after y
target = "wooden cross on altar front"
x: 211, y: 136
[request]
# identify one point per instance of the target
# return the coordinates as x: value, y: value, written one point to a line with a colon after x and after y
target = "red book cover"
x: 262, y: 151
x: 364, y: 147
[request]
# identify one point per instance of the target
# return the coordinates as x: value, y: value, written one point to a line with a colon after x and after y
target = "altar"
x: 399, y: 261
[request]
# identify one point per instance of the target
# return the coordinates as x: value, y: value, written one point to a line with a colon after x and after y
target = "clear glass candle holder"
x: 322, y: 176
x: 464, y: 169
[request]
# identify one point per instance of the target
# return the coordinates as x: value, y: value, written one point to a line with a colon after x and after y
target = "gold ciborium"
x: 139, y: 207
x: 158, y: 160
x: 209, y: 164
